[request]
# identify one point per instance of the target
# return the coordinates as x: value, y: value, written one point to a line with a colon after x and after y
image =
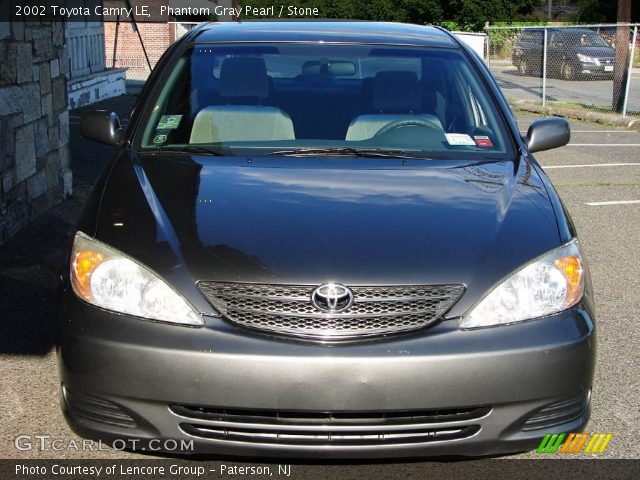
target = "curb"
x: 612, y: 119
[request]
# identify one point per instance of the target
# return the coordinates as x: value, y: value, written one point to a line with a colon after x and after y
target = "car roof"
x: 580, y: 31
x: 324, y: 31
x: 566, y: 30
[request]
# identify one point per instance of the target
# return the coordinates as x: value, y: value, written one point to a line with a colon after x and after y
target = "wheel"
x: 567, y: 71
x: 523, y: 67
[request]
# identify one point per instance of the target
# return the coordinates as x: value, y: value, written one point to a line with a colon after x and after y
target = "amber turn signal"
x: 571, y: 268
x: 82, y: 266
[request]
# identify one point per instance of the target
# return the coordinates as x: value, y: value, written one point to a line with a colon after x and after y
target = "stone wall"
x: 34, y: 122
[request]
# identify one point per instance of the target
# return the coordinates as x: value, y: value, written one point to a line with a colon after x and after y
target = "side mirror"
x: 547, y: 133
x: 101, y: 126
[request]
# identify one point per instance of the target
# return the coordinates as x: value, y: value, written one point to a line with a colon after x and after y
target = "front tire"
x: 567, y: 71
x: 523, y: 67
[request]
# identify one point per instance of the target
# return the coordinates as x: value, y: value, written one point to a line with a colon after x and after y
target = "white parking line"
x: 635, y: 132
x: 603, y: 145
x: 587, y: 165
x: 616, y: 202
x: 604, y: 131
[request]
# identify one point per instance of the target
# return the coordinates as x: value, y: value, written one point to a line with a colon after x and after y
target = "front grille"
x: 329, y: 428
x: 559, y: 413
x: 287, y: 309
x: 97, y: 409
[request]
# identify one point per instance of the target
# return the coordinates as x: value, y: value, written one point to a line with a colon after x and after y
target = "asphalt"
x: 587, y: 92
x: 609, y: 234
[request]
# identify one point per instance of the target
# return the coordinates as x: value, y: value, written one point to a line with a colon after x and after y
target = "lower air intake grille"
x: 559, y: 413
x: 329, y: 428
x: 288, y: 309
x: 97, y: 409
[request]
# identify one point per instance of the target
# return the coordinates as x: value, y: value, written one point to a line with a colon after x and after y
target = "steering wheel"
x: 412, y: 122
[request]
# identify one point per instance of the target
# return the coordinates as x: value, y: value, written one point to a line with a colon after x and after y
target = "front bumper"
x: 232, y: 380
x: 595, y: 70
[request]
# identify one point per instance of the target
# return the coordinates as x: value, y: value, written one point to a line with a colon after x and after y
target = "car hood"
x: 308, y: 221
x: 597, y: 52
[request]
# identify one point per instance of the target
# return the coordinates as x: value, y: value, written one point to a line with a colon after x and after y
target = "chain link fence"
x: 583, y: 66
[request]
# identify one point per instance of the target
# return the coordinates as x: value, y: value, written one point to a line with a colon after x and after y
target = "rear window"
x: 258, y: 99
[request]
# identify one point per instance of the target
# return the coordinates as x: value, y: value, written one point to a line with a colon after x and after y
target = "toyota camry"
x: 325, y: 239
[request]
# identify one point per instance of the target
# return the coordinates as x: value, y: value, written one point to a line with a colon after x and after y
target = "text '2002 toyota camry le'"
x: 325, y: 239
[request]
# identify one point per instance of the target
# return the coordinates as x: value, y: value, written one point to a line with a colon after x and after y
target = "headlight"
x: 547, y: 285
x: 109, y: 279
x: 587, y: 59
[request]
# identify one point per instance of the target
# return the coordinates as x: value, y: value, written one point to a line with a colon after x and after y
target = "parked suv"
x: 325, y: 239
x: 572, y: 53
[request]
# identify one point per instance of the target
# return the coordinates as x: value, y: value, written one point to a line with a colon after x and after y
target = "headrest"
x: 396, y: 92
x: 244, y: 77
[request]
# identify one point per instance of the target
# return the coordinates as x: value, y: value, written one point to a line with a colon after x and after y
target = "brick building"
x: 124, y: 46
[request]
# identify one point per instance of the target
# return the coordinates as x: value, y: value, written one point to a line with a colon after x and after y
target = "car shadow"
x: 306, y: 461
x: 30, y: 266
x: 31, y: 261
x: 586, y: 78
x: 534, y: 90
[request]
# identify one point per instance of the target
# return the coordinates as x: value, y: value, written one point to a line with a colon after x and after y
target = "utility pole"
x: 622, y: 53
x: 550, y: 10
x: 227, y: 4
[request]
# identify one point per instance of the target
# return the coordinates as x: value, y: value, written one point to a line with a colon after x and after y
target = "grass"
x: 589, y: 107
x: 583, y: 107
x: 597, y: 184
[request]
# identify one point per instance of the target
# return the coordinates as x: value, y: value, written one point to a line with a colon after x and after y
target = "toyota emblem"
x: 332, y: 297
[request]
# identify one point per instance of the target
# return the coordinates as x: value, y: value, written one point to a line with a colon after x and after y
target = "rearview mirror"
x: 547, y: 133
x: 101, y: 126
x: 329, y: 67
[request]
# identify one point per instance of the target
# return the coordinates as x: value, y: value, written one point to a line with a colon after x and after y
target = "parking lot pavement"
x: 610, y: 236
x: 588, y: 92
x: 602, y: 164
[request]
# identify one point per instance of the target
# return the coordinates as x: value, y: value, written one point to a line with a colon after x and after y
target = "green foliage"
x: 473, y: 14
x: 603, y: 11
x: 596, y: 11
x: 470, y: 15
x: 502, y: 41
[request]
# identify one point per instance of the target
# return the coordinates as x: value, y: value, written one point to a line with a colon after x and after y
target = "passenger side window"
x: 556, y: 40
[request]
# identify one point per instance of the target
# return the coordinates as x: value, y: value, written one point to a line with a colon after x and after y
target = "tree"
x: 473, y: 14
x: 622, y: 55
x: 459, y: 14
x: 596, y: 11
x: 603, y: 11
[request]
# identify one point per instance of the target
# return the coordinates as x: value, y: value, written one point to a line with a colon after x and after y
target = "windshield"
x: 591, y: 39
x: 292, y: 99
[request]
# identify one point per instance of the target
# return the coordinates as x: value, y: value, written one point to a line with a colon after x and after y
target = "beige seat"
x: 396, y: 96
x: 244, y: 84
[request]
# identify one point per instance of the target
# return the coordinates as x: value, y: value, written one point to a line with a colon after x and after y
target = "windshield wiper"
x: 199, y: 149
x: 347, y: 151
